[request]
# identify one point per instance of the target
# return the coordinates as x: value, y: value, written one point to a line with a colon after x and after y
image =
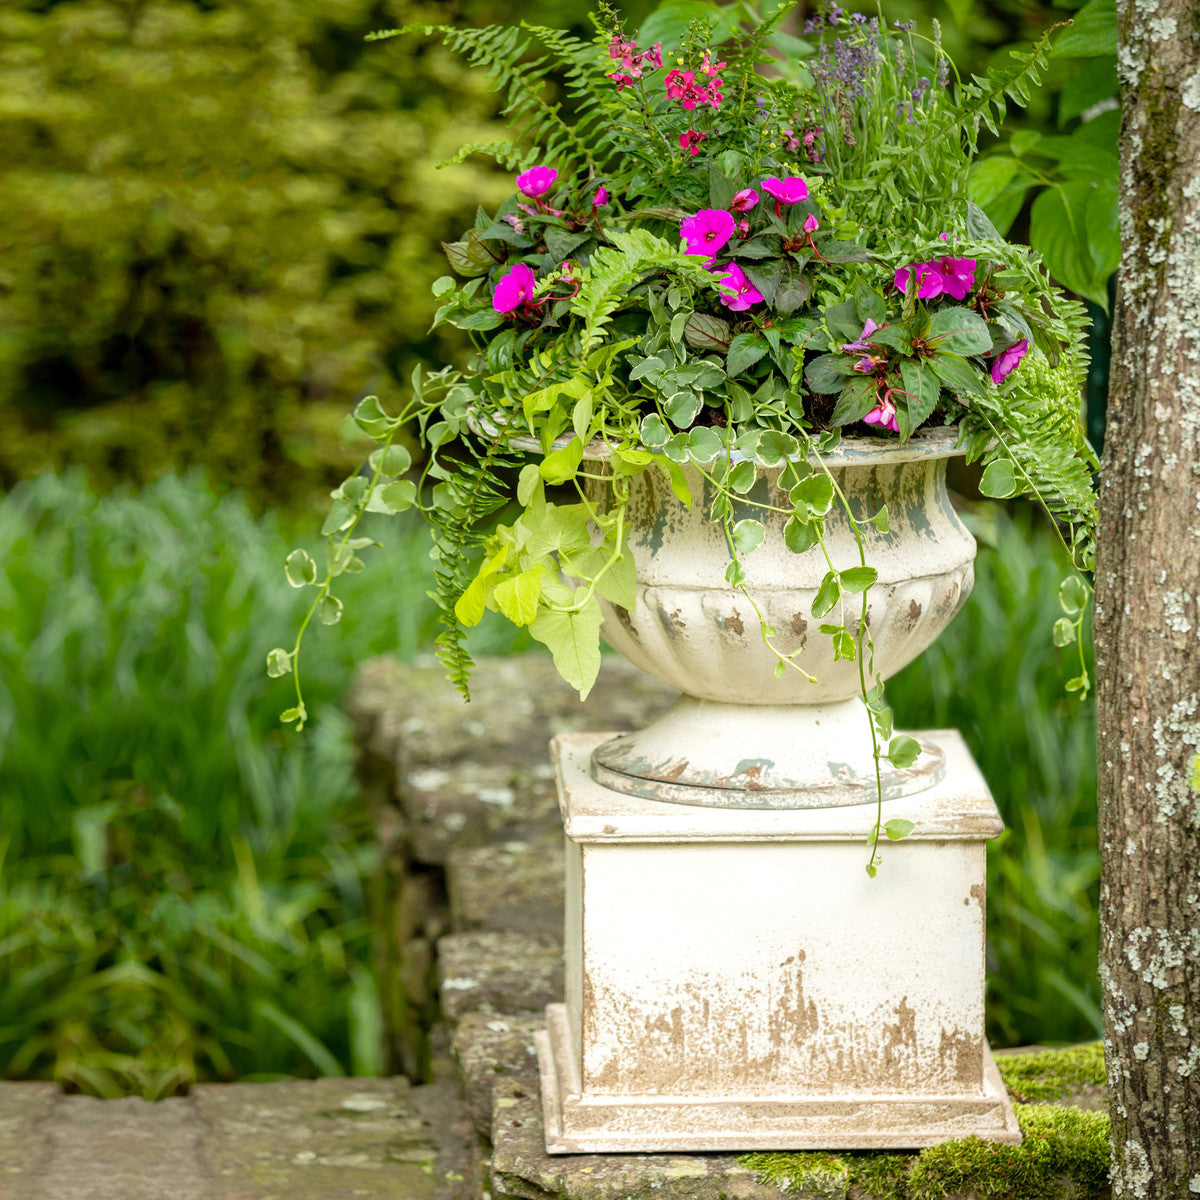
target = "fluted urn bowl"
x: 739, y: 736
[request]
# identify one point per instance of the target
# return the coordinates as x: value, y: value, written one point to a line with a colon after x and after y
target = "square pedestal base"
x: 580, y: 1124
x: 735, y: 981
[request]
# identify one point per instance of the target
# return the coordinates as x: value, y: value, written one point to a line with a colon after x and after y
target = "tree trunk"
x: 1148, y: 617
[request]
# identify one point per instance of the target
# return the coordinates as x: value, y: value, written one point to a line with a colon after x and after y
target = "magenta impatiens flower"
x: 601, y: 197
x: 883, y: 415
x: 1007, y: 360
x: 537, y: 181
x: 514, y: 289
x: 861, y: 346
x: 744, y: 200
x: 707, y: 231
x: 741, y: 293
x: 958, y: 276
x: 790, y: 190
x: 811, y: 224
x: 929, y: 280
x: 691, y: 141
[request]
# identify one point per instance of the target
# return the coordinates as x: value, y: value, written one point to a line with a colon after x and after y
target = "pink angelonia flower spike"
x: 1008, y: 360
x: 537, y: 181
x: 514, y: 289
x: 738, y: 293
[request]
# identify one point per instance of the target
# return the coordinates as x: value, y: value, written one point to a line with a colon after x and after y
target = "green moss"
x: 809, y: 1174
x: 1064, y: 1153
x: 1052, y: 1074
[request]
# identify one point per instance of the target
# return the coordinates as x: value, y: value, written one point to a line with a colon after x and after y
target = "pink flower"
x: 791, y: 143
x: 707, y: 67
x: 682, y: 86
x: 601, y: 197
x: 537, y: 181
x: 958, y: 276
x: 929, y: 280
x: 791, y: 190
x: 1007, y: 360
x: 811, y: 224
x: 742, y: 293
x: 744, y: 201
x: 944, y: 236
x: 514, y: 289
x: 622, y: 81
x: 707, y: 231
x: 743, y: 229
x: 691, y: 141
x: 625, y: 52
x: 654, y: 55
x: 861, y: 345
x: 883, y: 415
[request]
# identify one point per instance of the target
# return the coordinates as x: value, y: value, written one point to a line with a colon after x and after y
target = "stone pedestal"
x: 735, y: 981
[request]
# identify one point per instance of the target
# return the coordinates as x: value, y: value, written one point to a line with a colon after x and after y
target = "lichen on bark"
x: 1148, y: 614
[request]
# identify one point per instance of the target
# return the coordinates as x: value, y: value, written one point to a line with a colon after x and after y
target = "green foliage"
x: 183, y: 885
x: 216, y: 224
x: 1036, y: 748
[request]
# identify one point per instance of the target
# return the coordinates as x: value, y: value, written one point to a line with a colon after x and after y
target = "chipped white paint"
x: 735, y: 981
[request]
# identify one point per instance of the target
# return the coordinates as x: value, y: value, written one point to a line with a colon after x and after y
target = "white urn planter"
x: 740, y: 736
x: 734, y: 980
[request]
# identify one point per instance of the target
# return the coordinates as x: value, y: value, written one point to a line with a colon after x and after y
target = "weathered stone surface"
x: 23, y: 1109
x: 499, y: 972
x: 488, y: 1047
x: 410, y: 714
x: 321, y: 1139
x: 522, y: 1168
x: 513, y: 886
x: 465, y: 804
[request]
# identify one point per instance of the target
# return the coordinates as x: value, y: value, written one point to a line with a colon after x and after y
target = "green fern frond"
x: 470, y: 491
x: 507, y: 154
x: 501, y: 53
x: 615, y: 270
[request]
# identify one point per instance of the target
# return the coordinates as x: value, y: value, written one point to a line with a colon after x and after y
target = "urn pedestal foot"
x: 734, y: 980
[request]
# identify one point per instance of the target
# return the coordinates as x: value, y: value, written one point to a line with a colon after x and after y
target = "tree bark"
x: 1148, y: 617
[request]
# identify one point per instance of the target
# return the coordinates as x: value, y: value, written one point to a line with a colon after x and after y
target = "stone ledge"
x: 522, y: 1168
x: 499, y: 973
x: 488, y: 1048
x: 513, y: 886
x: 325, y: 1139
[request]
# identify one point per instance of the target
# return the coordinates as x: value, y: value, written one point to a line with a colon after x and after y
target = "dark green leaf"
x: 827, y: 374
x: 766, y: 278
x: 745, y: 350
x: 922, y: 388
x: 706, y: 332
x: 960, y: 330
x: 959, y: 377
x: 1093, y: 32
x: 857, y: 399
